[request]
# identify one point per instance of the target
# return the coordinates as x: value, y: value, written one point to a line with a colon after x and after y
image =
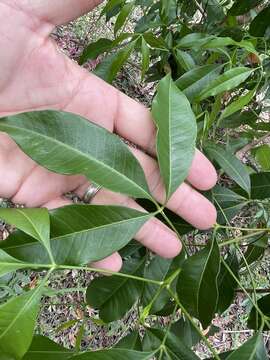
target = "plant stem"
x: 175, y: 230
x: 245, y: 292
x: 218, y: 226
x: 189, y: 317
x: 238, y: 239
x: 109, y: 272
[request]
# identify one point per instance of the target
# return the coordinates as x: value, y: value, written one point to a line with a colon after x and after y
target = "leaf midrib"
x: 78, y: 152
x: 82, y: 231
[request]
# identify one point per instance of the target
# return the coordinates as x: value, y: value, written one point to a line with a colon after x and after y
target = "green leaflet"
x: 252, y: 349
x: 231, y: 165
x: 241, y: 7
x: 114, y: 296
x: 43, y: 348
x: 159, y: 269
x: 93, y: 50
x: 17, y: 323
x: 184, y: 59
x: 132, y: 342
x: 112, y: 64
x: 176, y: 137
x: 195, y: 80
x: 34, y: 222
x: 197, y: 283
x: 238, y: 104
x: 69, y: 144
x: 254, y: 320
x: 226, y: 283
x: 80, y: 234
x: 174, y: 345
x: 145, y: 57
x: 225, y: 82
x: 228, y: 203
x: 123, y: 15
x: 9, y: 264
x: 260, y: 186
x: 114, y: 354
x: 262, y: 156
x: 260, y: 23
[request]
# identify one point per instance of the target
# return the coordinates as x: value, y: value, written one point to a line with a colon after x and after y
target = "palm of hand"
x: 35, y: 75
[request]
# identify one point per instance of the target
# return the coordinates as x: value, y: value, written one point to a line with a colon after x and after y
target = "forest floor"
x: 68, y: 308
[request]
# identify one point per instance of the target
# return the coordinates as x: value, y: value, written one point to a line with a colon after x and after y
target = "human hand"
x: 35, y: 75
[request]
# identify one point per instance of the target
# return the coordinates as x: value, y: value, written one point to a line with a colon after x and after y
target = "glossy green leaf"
x: 123, y: 16
x: 114, y: 354
x: 132, y: 342
x: 238, y: 104
x: 69, y: 144
x: 241, y: 7
x: 252, y: 349
x: 195, y: 80
x: 239, y: 118
x: 112, y: 64
x: 232, y: 166
x: 111, y: 4
x: 93, y: 50
x: 80, y: 234
x: 17, y: 323
x: 226, y: 283
x: 260, y: 23
x: 197, y: 283
x: 184, y: 59
x: 175, y: 347
x: 43, y: 348
x: 260, y: 186
x: 256, y: 249
x: 262, y: 156
x: 34, y: 222
x: 9, y: 264
x: 114, y: 296
x: 194, y: 40
x: 226, y: 82
x: 176, y: 136
x: 255, y: 319
x: 184, y: 330
x: 154, y: 42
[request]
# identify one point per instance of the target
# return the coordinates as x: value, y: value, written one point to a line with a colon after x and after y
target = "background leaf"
x: 255, y: 319
x: 252, y: 349
x: 226, y: 82
x: 231, y: 165
x: 197, y: 283
x: 115, y: 295
x: 111, y: 65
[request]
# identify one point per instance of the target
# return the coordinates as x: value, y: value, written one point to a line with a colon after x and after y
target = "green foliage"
x: 211, y: 60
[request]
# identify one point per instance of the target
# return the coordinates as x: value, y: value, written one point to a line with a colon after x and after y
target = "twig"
x: 249, y: 146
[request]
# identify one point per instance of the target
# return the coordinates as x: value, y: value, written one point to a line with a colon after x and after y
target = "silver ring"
x: 91, y: 192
